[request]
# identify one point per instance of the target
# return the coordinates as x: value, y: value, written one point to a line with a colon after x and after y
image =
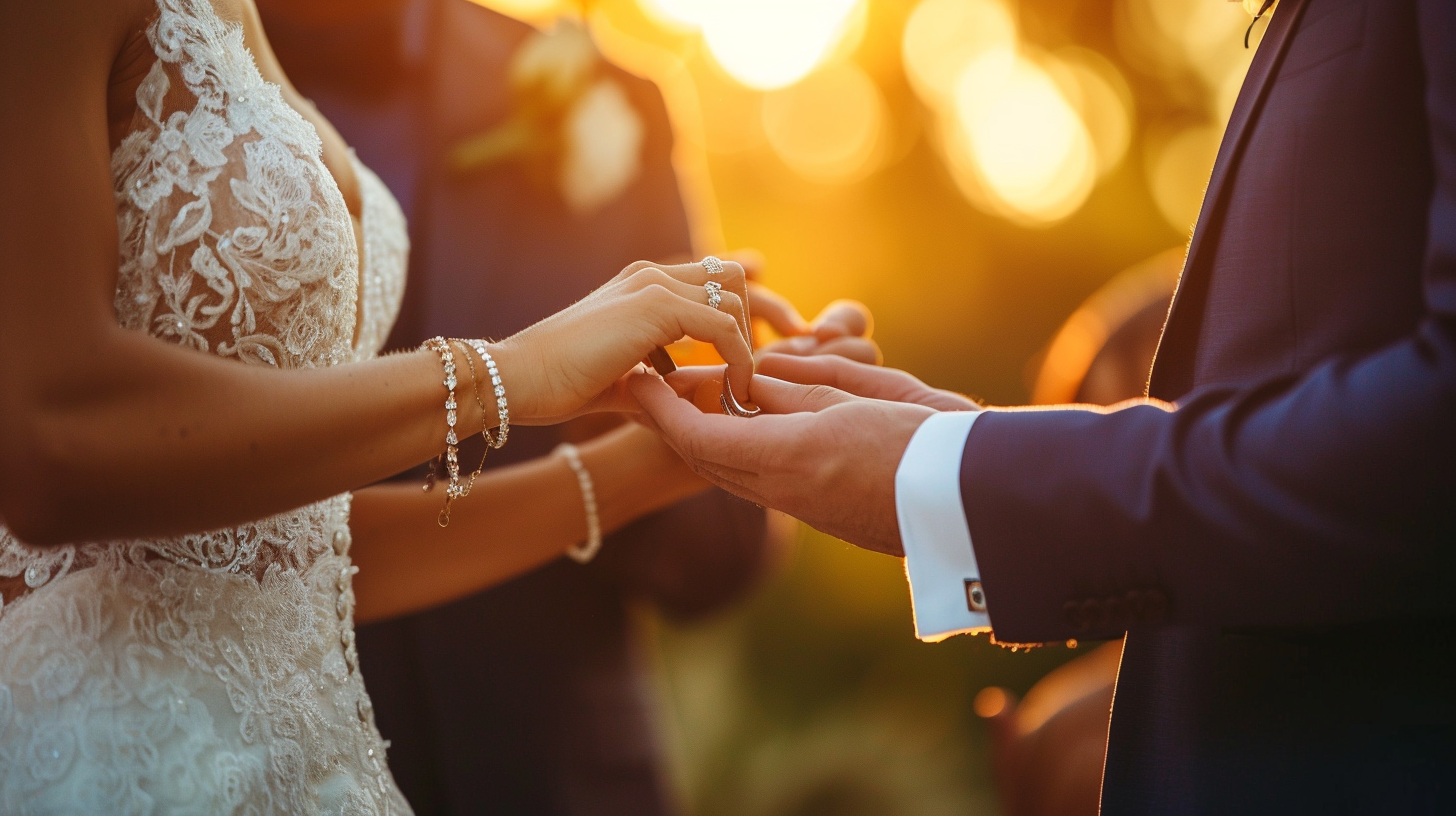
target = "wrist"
x: 518, y: 374
x: 638, y: 475
x: 620, y: 486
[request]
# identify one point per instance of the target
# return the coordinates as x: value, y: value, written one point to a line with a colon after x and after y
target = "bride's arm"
x: 106, y: 432
x: 516, y: 519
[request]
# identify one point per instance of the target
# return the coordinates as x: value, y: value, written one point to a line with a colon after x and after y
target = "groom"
x: 1274, y: 529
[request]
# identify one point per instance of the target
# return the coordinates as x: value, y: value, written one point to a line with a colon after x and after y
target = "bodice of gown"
x: 212, y: 673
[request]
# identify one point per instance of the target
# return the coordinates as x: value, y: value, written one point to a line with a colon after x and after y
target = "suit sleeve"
x: 1322, y: 499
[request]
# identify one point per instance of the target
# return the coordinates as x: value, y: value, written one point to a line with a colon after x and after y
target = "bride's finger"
x: 683, y: 317
x: 728, y: 302
x: 732, y: 278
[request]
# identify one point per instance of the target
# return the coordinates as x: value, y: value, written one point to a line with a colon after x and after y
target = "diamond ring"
x: 715, y: 293
x: 712, y: 265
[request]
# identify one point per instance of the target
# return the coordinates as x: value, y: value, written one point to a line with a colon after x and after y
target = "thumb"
x: 783, y: 397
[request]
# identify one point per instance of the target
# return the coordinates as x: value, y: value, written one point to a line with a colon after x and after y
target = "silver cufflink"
x: 975, y: 596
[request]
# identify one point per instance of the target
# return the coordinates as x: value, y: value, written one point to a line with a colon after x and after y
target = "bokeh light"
x: 1019, y: 142
x: 680, y: 14
x: 1101, y: 95
x: 1025, y: 135
x: 1199, y: 40
x: 942, y: 37
x: 764, y: 44
x: 526, y: 9
x: 826, y: 128
x: 732, y: 114
x: 1178, y: 169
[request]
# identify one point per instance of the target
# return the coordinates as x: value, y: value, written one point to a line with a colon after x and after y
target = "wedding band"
x: 712, y: 265
x: 715, y: 293
x: 730, y: 403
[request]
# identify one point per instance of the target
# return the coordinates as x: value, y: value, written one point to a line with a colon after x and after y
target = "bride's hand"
x: 573, y: 361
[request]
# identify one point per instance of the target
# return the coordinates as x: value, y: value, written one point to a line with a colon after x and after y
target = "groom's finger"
x: 696, y: 436
x: 733, y: 453
x: 685, y: 380
x: 773, y: 396
x: 776, y: 396
x: 831, y: 370
x: 775, y: 310
x: 858, y: 349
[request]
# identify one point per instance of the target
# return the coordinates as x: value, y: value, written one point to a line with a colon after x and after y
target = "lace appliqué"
x: 235, y: 239
x: 211, y: 673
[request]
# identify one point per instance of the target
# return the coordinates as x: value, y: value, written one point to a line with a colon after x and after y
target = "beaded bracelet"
x: 503, y: 411
x: 582, y: 553
x: 452, y: 442
x: 475, y: 388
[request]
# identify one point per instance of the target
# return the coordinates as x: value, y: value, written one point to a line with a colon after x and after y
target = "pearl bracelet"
x: 582, y: 553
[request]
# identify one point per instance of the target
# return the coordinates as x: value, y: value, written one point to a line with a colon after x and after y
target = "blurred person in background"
x: 1272, y: 528
x: 1049, y: 746
x: 525, y: 164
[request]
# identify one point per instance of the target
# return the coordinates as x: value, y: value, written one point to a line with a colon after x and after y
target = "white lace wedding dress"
x: 211, y: 673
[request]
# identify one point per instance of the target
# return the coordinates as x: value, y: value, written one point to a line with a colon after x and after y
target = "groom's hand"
x: 844, y: 328
x: 817, y: 453
x: 862, y: 380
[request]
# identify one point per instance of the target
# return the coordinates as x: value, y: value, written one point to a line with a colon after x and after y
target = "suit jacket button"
x: 1075, y: 616
x: 975, y: 596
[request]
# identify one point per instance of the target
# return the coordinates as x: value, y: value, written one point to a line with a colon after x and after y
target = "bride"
x: 162, y: 181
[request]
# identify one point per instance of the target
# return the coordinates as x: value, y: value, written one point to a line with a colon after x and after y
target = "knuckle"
x: 651, y: 295
x: 655, y: 291
x: 645, y: 276
x: 821, y: 393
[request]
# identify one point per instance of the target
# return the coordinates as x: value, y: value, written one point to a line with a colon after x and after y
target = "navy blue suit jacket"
x: 1278, y: 538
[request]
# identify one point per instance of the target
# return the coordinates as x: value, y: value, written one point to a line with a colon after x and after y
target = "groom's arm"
x: 1302, y: 500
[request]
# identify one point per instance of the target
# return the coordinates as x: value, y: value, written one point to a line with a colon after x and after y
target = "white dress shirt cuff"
x: 939, y: 560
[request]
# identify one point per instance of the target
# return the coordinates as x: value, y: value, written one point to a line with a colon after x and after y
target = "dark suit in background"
x: 524, y: 699
x: 1280, y: 549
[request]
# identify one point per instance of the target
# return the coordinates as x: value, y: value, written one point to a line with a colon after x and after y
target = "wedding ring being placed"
x: 730, y: 403
x: 712, y: 265
x: 715, y: 293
